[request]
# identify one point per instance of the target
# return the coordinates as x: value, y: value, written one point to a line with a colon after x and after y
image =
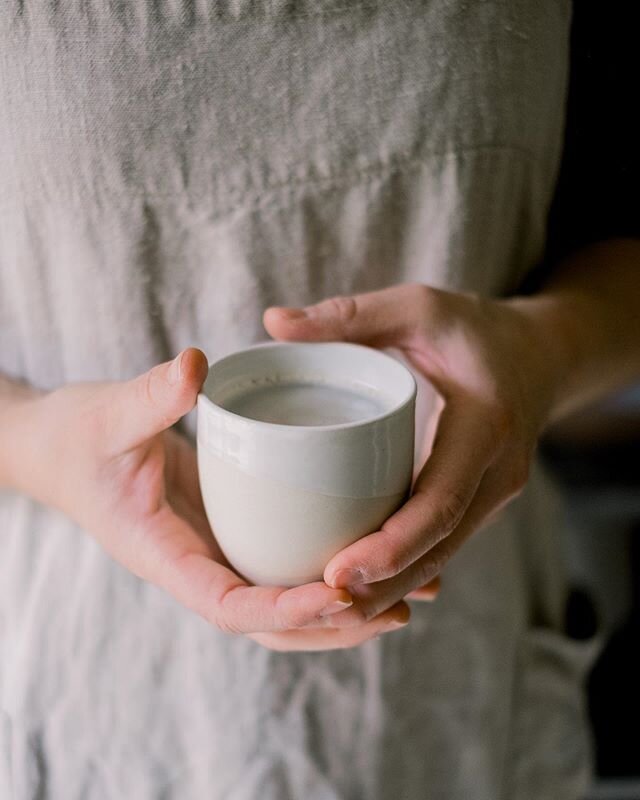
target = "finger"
x: 374, y: 598
x: 480, y: 513
x: 501, y: 483
x: 382, y: 318
x: 336, y: 638
x: 493, y: 493
x: 462, y: 450
x: 426, y: 593
x: 140, y: 408
x: 170, y: 554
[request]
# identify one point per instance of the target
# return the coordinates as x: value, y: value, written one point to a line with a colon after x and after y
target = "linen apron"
x: 169, y: 168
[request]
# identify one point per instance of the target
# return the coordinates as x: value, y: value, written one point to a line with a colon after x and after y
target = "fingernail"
x: 337, y: 605
x: 394, y: 624
x: 423, y: 597
x: 175, y: 370
x: 399, y: 617
x: 292, y: 313
x: 346, y: 577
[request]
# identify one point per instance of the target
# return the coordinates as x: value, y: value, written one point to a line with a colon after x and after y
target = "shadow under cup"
x: 303, y: 448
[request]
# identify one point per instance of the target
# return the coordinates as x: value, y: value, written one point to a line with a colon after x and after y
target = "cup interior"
x: 382, y: 384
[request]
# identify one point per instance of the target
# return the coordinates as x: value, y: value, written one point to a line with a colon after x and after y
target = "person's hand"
x: 350, y: 627
x: 105, y: 455
x: 496, y: 390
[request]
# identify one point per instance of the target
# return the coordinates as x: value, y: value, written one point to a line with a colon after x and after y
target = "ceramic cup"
x: 284, y: 497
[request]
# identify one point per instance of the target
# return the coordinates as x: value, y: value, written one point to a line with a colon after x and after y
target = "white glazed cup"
x: 282, y: 499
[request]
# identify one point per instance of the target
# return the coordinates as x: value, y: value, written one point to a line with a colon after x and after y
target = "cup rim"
x: 211, y: 406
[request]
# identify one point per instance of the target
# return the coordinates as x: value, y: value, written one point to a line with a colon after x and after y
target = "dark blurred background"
x: 595, y: 454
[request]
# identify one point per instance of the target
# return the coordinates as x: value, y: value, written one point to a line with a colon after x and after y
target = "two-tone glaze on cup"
x: 283, y: 499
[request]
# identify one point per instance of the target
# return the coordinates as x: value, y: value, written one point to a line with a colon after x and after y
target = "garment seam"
x: 373, y: 170
x: 255, y: 199
x: 271, y: 12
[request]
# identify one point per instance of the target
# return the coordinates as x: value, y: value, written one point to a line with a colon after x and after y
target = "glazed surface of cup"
x: 302, y: 449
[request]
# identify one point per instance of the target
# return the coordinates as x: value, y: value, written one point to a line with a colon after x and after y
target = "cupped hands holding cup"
x: 503, y: 370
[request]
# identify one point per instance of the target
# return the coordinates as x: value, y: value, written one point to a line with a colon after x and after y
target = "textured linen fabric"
x: 168, y: 168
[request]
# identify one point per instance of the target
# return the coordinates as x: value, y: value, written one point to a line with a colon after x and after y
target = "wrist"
x: 558, y: 325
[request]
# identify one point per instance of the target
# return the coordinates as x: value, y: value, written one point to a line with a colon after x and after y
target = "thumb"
x: 144, y: 406
x: 387, y: 317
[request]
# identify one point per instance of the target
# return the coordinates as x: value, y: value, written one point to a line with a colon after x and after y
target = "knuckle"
x: 144, y: 394
x: 432, y: 564
x: 149, y: 394
x: 424, y: 571
x: 288, y: 614
x: 342, y: 309
x: 393, y: 562
x: 397, y: 553
x: 427, y: 305
x: 452, y: 510
x: 293, y: 618
x: 425, y: 296
x: 223, y: 623
x: 438, y: 305
x: 222, y: 617
x: 144, y: 389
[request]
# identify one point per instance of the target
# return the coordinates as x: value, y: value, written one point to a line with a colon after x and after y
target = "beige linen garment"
x: 169, y: 168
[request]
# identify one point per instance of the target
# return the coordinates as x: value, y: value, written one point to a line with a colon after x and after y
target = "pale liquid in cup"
x: 263, y: 523
x: 306, y: 404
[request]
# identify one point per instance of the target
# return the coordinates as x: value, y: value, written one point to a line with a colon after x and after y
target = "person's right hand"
x: 104, y: 454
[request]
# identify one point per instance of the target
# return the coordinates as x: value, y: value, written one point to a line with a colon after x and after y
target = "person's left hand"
x: 486, y: 360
